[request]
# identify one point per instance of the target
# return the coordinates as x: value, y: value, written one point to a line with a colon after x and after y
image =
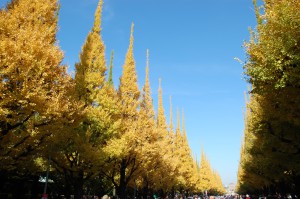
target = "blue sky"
x: 192, y: 47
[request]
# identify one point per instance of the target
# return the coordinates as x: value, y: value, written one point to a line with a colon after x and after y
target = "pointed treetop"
x: 90, y: 70
x: 128, y: 87
x: 147, y: 67
x: 110, y: 80
x: 131, y: 35
x: 203, y: 156
x: 147, y: 60
x: 178, y: 137
x: 97, y: 22
x: 161, y: 112
x: 161, y: 118
x: 171, y: 115
x: 159, y: 84
x: 147, y: 99
x: 178, y: 122
x: 131, y: 30
x: 183, y: 127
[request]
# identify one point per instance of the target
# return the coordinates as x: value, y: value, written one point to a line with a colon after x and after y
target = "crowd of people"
x: 182, y: 196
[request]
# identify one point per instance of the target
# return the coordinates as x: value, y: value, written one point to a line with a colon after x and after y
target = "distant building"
x: 230, y: 188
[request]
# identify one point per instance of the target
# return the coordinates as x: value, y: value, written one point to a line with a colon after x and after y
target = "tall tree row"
x: 270, y: 156
x: 97, y: 138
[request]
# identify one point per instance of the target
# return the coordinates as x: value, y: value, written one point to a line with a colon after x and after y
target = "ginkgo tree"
x: 81, y: 151
x: 95, y: 136
x: 123, y: 150
x: 271, y: 152
x: 34, y: 86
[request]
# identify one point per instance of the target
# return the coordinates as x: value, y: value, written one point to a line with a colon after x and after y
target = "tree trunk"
x: 78, y: 186
x: 67, y: 188
x: 122, y: 186
x: 145, y: 189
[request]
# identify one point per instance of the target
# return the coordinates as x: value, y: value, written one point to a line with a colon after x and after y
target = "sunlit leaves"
x: 270, y: 150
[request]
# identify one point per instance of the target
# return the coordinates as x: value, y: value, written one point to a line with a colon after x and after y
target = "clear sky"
x: 192, y: 47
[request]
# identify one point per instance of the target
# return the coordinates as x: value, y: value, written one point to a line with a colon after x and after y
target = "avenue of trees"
x: 270, y: 153
x: 96, y: 137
